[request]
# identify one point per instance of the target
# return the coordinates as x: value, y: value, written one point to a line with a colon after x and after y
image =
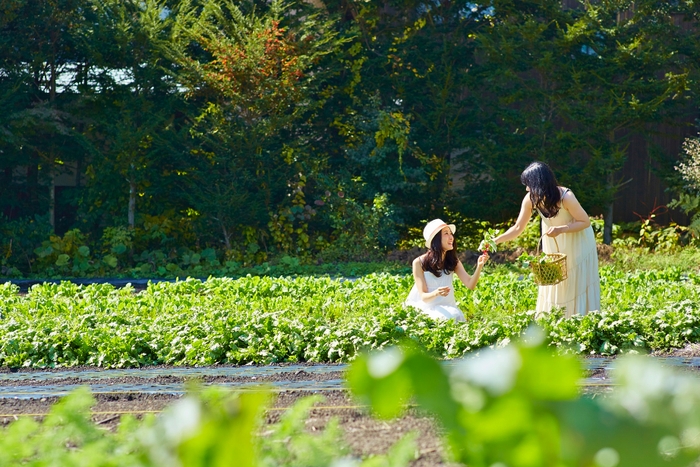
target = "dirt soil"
x: 363, y: 434
x: 298, y: 375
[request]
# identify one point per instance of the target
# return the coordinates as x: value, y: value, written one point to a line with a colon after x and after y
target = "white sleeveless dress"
x: 439, y: 307
x: 580, y: 292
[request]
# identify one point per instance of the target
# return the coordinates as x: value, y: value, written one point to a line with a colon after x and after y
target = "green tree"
x: 627, y: 83
x: 39, y: 59
x: 134, y: 112
x: 570, y: 86
x: 411, y: 110
x: 689, y: 196
x: 250, y: 72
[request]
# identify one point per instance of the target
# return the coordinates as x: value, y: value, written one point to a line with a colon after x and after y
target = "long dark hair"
x: 544, y: 188
x: 433, y: 260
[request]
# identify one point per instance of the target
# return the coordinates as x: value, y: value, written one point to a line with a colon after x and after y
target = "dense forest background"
x: 131, y: 130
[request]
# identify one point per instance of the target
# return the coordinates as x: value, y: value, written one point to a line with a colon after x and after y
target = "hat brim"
x: 439, y: 228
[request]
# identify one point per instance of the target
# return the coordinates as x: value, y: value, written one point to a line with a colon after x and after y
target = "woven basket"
x: 552, y: 269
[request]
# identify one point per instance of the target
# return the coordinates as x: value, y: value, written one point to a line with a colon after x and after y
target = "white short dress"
x: 439, y: 307
x: 580, y: 292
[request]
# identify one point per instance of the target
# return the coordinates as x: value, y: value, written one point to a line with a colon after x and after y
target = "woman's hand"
x: 556, y: 230
x: 443, y: 291
x: 482, y: 259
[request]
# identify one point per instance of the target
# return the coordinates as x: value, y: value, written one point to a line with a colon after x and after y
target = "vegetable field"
x: 268, y: 320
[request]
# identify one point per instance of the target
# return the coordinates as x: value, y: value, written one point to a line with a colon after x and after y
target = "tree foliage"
x: 270, y: 128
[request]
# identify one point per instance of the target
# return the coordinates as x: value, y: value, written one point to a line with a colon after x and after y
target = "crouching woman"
x: 434, y: 271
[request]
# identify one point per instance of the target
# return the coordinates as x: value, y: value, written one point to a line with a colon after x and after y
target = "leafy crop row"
x: 265, y: 320
x: 521, y: 406
x: 214, y: 427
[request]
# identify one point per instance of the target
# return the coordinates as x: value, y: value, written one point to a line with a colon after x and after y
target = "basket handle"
x: 540, y: 242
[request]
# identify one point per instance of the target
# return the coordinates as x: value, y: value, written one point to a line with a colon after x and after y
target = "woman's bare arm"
x: 520, y: 223
x: 580, y: 217
x: 467, y: 280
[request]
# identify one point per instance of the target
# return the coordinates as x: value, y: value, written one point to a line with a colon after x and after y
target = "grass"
x: 686, y: 259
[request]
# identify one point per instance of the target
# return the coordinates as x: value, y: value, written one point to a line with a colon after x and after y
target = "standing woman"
x: 432, y: 291
x: 563, y: 218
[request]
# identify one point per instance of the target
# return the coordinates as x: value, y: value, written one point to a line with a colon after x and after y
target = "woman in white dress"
x: 563, y: 218
x: 433, y: 272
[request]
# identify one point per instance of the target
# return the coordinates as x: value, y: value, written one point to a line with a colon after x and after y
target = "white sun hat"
x: 433, y: 227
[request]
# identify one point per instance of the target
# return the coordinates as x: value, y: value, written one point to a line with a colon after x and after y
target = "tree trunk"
x: 52, y: 82
x: 608, y: 216
x: 227, y: 236
x: 132, y: 205
x: 52, y: 203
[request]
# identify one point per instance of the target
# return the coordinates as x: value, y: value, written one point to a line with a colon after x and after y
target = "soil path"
x: 361, y: 431
x: 119, y: 392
